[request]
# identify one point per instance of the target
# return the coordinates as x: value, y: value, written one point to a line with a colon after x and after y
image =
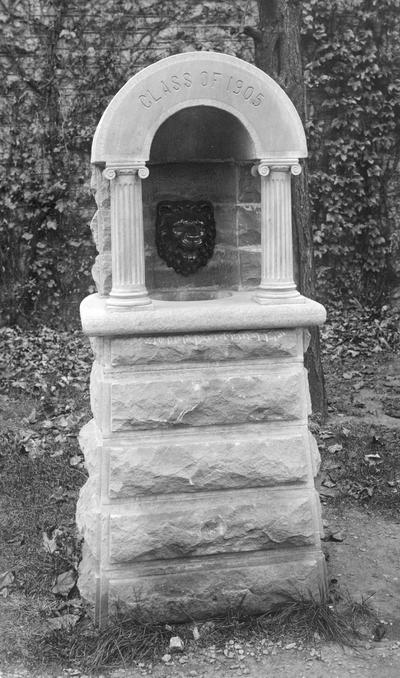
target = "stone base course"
x: 201, y: 474
x: 201, y: 588
x: 210, y: 396
x: 177, y: 349
x: 147, y: 463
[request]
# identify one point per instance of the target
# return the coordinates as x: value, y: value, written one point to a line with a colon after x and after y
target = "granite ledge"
x: 236, y: 312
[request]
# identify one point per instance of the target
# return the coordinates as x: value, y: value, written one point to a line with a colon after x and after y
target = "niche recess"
x: 205, y: 153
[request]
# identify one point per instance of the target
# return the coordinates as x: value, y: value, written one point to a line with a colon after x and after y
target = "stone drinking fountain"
x: 201, y: 467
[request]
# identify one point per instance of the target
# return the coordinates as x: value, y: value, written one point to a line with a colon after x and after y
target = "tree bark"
x: 277, y: 52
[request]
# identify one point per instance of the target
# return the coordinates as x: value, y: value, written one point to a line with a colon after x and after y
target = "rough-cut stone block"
x: 100, y: 187
x: 250, y: 265
x: 99, y: 398
x: 210, y: 181
x: 90, y: 441
x: 102, y: 273
x: 249, y: 225
x: 249, y: 186
x: 101, y: 230
x: 94, y: 227
x: 88, y: 516
x: 201, y: 398
x: 149, y: 227
x: 104, y: 230
x: 207, y: 589
x: 220, y: 522
x: 222, y: 270
x: 225, y: 222
x: 315, y: 455
x: 89, y: 580
x: 219, y: 347
x: 191, y: 463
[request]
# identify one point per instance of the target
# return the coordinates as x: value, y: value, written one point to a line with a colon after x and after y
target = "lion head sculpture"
x: 185, y: 234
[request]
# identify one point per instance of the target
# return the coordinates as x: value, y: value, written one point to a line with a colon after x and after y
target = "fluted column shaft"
x: 276, y: 233
x: 127, y: 241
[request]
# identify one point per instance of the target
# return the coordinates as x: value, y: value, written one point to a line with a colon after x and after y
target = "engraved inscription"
x: 165, y: 88
x: 224, y: 83
x: 227, y: 337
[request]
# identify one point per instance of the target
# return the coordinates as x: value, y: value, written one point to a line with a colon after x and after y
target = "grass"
x: 309, y: 617
x: 128, y: 638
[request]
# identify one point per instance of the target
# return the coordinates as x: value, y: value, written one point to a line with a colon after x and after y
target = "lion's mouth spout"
x: 185, y: 234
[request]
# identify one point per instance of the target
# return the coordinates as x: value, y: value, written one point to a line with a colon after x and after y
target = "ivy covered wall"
x: 63, y: 61
x: 352, y: 55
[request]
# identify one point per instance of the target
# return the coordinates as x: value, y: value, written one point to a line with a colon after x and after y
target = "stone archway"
x: 123, y: 140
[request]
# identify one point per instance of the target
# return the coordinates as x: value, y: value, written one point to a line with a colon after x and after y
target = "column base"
x: 280, y: 294
x: 126, y: 300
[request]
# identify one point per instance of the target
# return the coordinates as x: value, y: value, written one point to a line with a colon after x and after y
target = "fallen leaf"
x: 328, y: 492
x: 337, y: 536
x: 77, y: 460
x: 372, y: 458
x: 332, y: 449
x: 47, y: 423
x: 326, y: 434
x: 34, y: 448
x: 328, y: 483
x: 369, y: 491
x: 59, y: 494
x: 66, y: 621
x: 50, y: 543
x: 332, y: 536
x: 65, y: 582
x: 6, y: 579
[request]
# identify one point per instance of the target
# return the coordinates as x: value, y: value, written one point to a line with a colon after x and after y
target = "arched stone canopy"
x: 129, y: 123
x: 232, y: 110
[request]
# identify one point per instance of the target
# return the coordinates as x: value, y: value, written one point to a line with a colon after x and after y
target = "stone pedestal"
x: 201, y: 493
x: 201, y: 470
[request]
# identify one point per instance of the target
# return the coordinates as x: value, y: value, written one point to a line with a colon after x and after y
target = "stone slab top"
x: 239, y: 311
x: 130, y: 121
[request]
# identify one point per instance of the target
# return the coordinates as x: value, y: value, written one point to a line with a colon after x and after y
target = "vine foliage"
x: 62, y: 62
x: 353, y: 87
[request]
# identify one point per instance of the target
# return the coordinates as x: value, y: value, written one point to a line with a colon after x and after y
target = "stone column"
x: 127, y: 242
x: 277, y: 282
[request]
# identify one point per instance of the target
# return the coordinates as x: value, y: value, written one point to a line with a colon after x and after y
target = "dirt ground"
x: 365, y: 563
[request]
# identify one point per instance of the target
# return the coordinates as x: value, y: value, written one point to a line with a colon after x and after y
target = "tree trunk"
x: 277, y: 52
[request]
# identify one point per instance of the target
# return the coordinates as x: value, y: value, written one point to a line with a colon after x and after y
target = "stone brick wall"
x: 235, y: 195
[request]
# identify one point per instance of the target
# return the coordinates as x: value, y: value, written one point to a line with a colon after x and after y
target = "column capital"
x: 109, y: 173
x: 265, y: 166
x: 296, y: 169
x: 113, y: 170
